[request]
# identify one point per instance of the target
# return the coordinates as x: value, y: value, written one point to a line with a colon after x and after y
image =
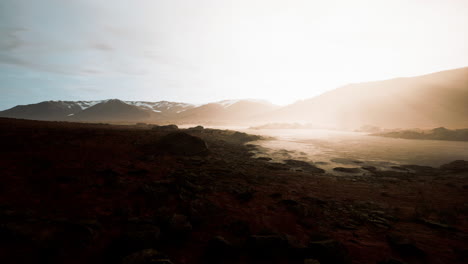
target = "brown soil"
x: 95, y: 193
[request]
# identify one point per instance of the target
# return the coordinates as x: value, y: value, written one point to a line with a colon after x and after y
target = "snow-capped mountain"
x: 48, y: 110
x: 114, y: 110
x: 236, y: 111
x: 162, y: 106
x: 80, y: 110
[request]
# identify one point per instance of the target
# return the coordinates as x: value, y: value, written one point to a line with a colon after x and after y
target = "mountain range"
x: 427, y: 101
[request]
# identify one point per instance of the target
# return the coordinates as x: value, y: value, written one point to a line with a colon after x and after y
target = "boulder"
x: 456, y: 166
x: 311, y: 261
x: 219, y: 248
x: 327, y: 250
x: 295, y: 207
x: 165, y: 128
x: 305, y: 166
x: 240, y: 137
x: 390, y: 261
x: 404, y: 245
x: 197, y: 128
x: 347, y: 170
x: 267, y: 245
x: 369, y: 168
x: 180, y: 143
x: 180, y: 224
x: 146, y: 256
x: 133, y: 237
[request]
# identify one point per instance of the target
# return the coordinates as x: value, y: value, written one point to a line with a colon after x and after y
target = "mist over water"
x: 329, y: 148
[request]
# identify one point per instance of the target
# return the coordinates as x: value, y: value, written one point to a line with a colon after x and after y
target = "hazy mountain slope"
x: 66, y: 110
x: 235, y: 111
x: 428, y: 101
x: 48, y: 110
x: 113, y: 110
x: 433, y: 100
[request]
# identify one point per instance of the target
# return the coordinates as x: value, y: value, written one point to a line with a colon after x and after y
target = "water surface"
x: 330, y: 148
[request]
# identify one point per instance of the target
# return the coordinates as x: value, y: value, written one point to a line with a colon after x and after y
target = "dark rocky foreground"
x: 90, y: 193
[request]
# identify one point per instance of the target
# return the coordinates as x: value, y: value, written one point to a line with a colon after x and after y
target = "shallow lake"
x: 329, y: 149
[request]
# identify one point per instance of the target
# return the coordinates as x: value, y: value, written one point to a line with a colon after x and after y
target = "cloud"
x: 10, y: 39
x: 101, y: 47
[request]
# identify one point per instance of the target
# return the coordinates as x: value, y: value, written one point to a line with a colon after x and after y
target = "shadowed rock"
x: 327, y: 251
x: 197, y: 128
x: 218, y: 249
x: 404, y: 245
x: 456, y: 166
x: 369, y: 168
x: 147, y: 256
x: 305, y: 166
x: 347, y: 170
x: 265, y: 246
x: 180, y: 143
x: 165, y: 128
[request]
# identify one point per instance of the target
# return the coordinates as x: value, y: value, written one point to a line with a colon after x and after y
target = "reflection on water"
x: 329, y: 149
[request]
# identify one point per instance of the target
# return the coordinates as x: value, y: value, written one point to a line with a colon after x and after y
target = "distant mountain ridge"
x: 115, y: 110
x: 433, y: 100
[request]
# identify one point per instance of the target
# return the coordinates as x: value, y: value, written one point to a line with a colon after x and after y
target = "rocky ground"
x: 97, y: 193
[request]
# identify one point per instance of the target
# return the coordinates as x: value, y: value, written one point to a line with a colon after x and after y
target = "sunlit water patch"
x: 330, y: 149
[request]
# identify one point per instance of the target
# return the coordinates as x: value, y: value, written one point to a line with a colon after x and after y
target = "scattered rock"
x: 147, y: 256
x: 404, y: 245
x: 197, y: 128
x: 202, y: 210
x: 327, y: 251
x: 267, y: 245
x: 346, y: 161
x: 135, y: 236
x: 245, y: 196
x: 311, y: 261
x: 427, y: 170
x: 111, y: 177
x: 347, y: 225
x: 369, y: 168
x: 277, y: 166
x: 180, y: 143
x: 321, y: 163
x: 295, y: 207
x: 264, y: 158
x: 276, y: 195
x: 165, y: 128
x: 391, y: 261
x: 51, y: 239
x: 399, y: 168
x: 239, y: 227
x: 240, y: 137
x: 180, y: 224
x: 304, y: 166
x: 219, y: 248
x: 435, y: 224
x: 157, y: 192
x: 347, y: 170
x: 455, y: 166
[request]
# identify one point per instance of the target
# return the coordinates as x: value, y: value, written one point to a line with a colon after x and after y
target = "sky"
x: 200, y: 51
